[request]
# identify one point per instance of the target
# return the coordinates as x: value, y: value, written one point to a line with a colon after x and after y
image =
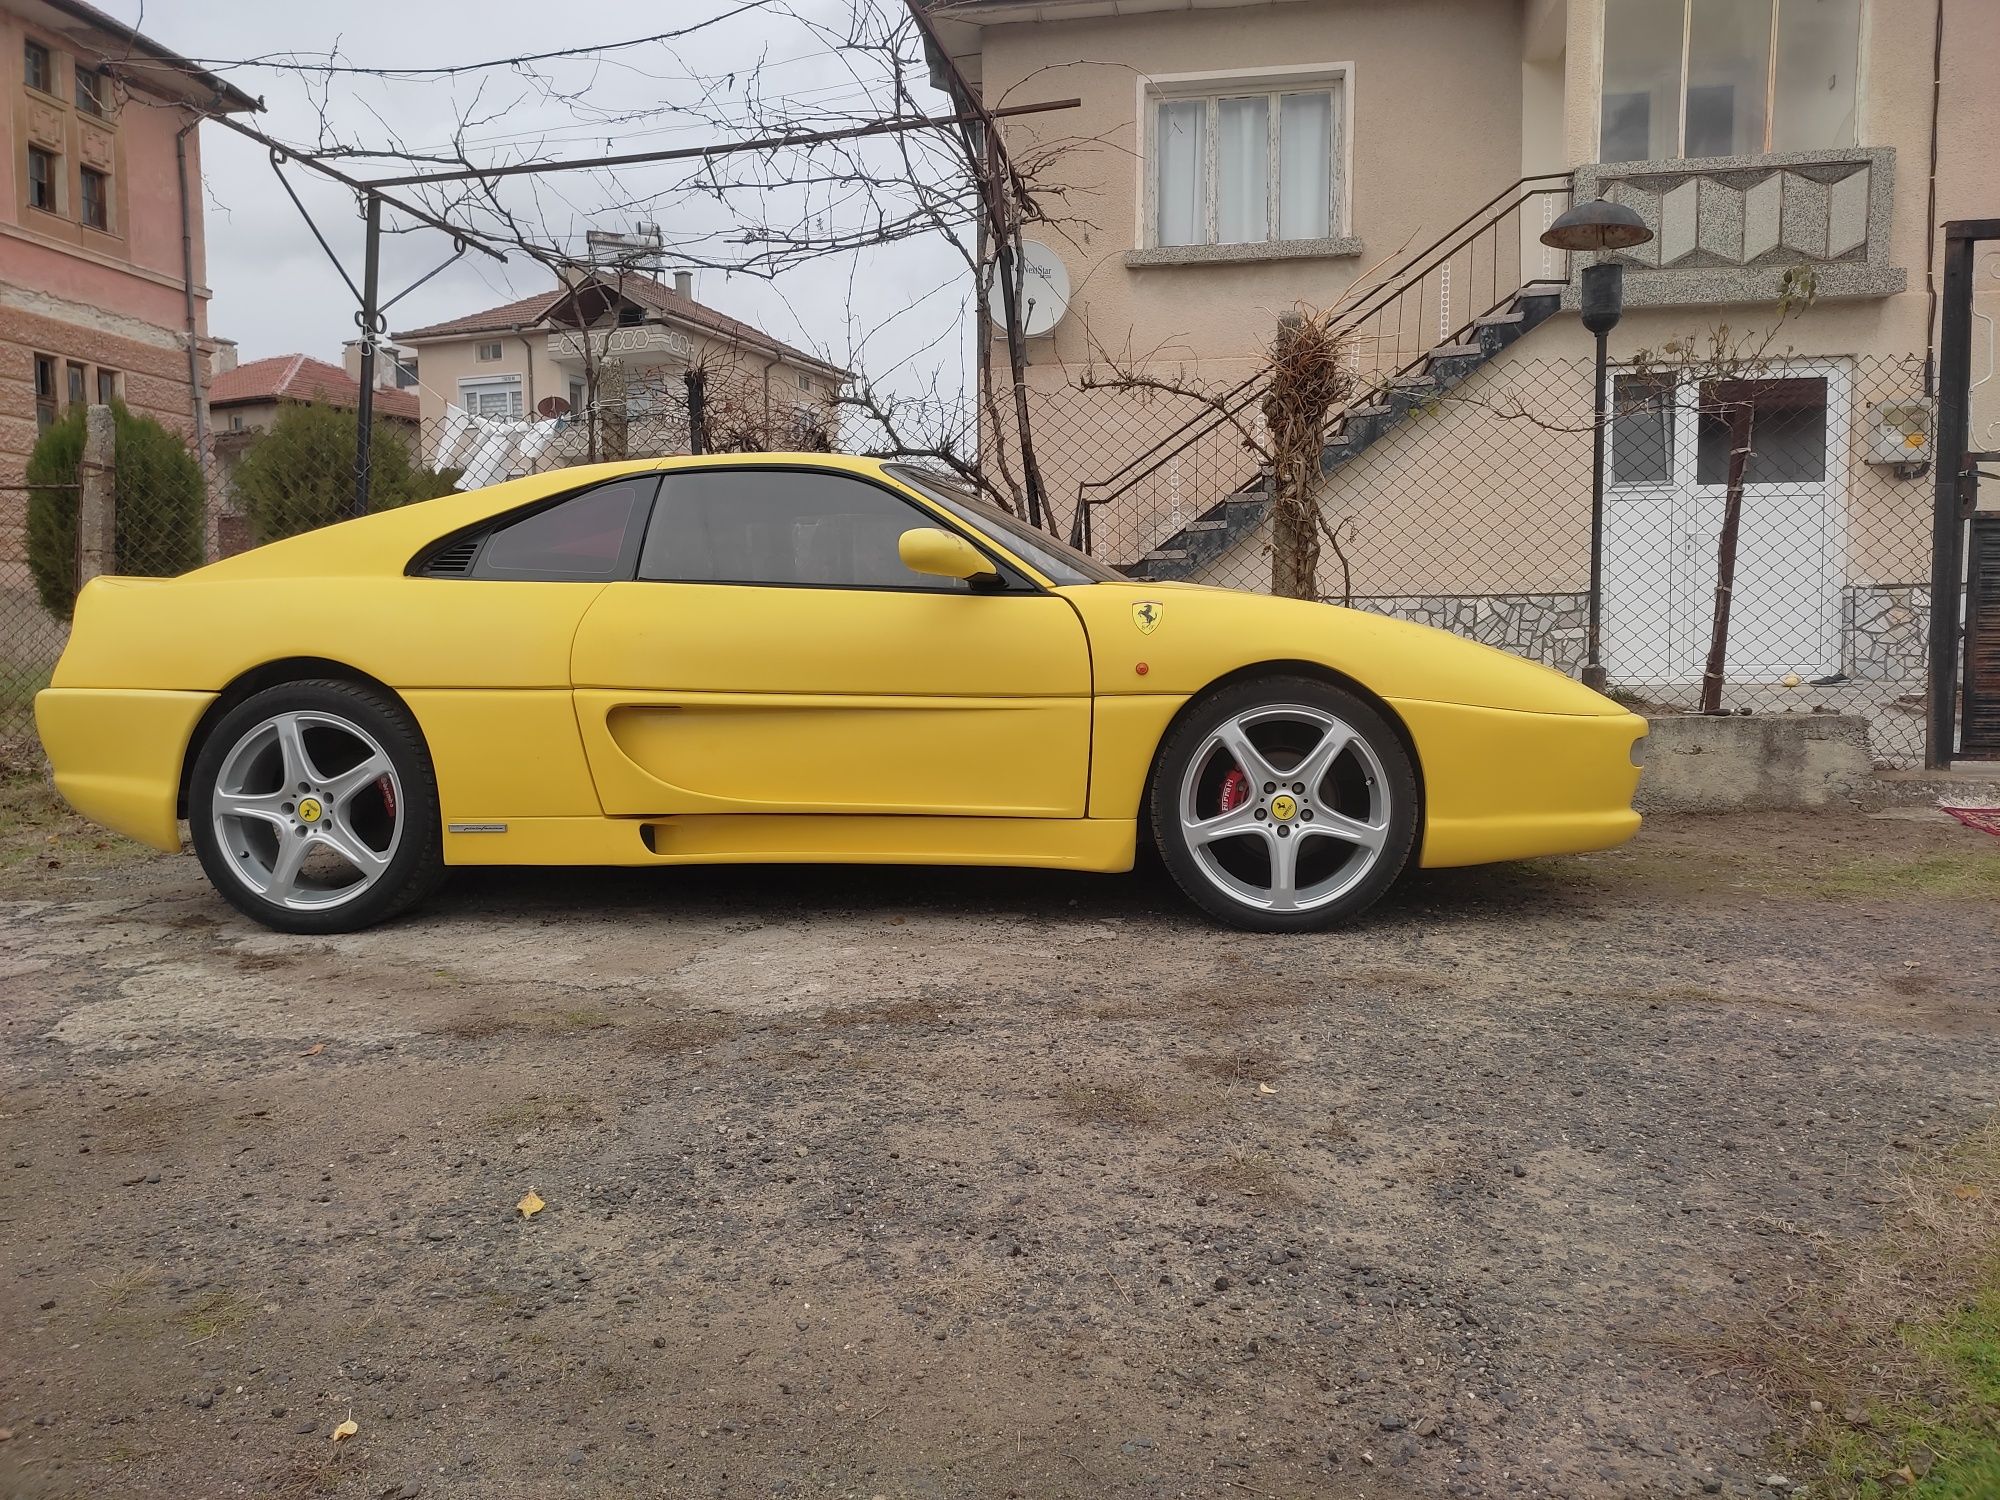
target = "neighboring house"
x: 623, y: 340
x: 1231, y: 160
x: 244, y: 400
x: 102, y: 294
x: 247, y: 398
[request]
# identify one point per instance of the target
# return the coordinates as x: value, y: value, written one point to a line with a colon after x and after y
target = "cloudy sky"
x: 276, y: 293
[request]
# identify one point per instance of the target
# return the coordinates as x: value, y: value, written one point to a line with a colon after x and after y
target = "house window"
x: 495, y: 396
x: 107, y: 386
x: 631, y: 316
x: 1727, y: 77
x: 38, y: 68
x: 96, y: 199
x: 1785, y: 420
x: 487, y: 353
x: 41, y: 180
x: 79, y: 382
x: 235, y: 421
x: 805, y: 382
x: 45, y: 391
x: 90, y: 91
x: 1642, y: 430
x: 1241, y: 167
x: 576, y: 395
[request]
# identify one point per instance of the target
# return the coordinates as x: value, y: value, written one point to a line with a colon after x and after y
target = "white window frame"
x: 473, y: 386
x: 480, y: 356
x: 1231, y: 83
x: 1861, y: 100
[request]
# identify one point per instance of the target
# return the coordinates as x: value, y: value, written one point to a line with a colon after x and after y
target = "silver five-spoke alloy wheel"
x: 1285, y: 807
x: 308, y: 809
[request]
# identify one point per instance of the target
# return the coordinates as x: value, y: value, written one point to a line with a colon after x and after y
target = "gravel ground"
x: 951, y: 1184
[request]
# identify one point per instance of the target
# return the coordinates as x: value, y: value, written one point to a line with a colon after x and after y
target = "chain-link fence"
x: 1465, y: 502
x: 1462, y: 499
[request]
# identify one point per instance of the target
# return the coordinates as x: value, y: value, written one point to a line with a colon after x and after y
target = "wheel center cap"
x: 309, y: 809
x: 1284, y: 807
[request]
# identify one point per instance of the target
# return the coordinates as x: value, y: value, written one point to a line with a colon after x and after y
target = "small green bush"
x: 157, y: 491
x: 299, y: 475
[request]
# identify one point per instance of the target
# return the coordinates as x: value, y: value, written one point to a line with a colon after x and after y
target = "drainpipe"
x: 528, y: 415
x: 187, y: 289
x: 1930, y: 213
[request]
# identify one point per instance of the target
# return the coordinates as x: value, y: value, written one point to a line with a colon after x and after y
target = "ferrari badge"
x: 1146, y: 616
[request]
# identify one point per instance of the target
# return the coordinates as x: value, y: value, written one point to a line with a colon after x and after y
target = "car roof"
x: 385, y: 542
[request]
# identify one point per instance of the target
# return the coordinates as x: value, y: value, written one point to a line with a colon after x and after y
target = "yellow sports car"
x: 794, y: 657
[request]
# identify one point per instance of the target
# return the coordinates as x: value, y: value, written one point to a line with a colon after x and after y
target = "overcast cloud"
x: 276, y: 293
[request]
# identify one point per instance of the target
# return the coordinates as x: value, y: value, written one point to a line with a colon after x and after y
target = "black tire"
x: 1379, y: 766
x: 415, y: 864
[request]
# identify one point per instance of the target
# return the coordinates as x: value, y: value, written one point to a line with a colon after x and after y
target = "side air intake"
x: 455, y: 561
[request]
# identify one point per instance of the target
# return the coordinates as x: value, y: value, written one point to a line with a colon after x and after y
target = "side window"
x: 778, y: 526
x: 589, y: 538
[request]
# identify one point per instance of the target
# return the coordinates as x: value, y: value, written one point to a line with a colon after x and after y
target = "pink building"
x: 101, y: 252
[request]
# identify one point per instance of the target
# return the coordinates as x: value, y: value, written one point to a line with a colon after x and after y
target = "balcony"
x: 1727, y: 228
x: 641, y: 344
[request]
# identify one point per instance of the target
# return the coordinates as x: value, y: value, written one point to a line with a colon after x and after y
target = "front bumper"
x: 117, y: 755
x: 1505, y: 785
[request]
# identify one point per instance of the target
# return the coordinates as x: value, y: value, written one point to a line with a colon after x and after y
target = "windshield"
x: 1061, y: 564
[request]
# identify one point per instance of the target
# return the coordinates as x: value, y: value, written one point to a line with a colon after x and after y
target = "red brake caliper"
x: 1235, y: 791
x: 388, y: 790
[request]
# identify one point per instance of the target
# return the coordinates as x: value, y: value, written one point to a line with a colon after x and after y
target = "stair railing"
x: 1470, y: 272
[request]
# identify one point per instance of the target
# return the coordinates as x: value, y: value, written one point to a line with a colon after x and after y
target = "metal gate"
x: 1964, y: 712
x: 1979, y: 708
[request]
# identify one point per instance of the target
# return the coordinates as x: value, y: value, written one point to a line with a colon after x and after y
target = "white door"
x: 1665, y: 495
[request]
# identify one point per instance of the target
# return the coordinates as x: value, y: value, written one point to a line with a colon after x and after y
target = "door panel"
x: 725, y: 697
x: 1661, y: 537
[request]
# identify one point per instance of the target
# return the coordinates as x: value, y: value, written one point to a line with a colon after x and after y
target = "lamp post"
x: 1596, y: 225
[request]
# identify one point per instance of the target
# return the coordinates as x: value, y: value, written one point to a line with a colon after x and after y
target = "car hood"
x: 1201, y: 633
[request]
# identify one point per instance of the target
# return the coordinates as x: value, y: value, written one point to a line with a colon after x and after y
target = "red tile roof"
x: 653, y: 295
x: 298, y: 377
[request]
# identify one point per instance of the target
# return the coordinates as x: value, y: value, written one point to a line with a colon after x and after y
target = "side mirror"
x: 928, y: 549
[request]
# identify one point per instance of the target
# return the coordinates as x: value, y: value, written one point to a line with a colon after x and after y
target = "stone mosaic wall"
x: 1883, y: 627
x: 1549, y: 628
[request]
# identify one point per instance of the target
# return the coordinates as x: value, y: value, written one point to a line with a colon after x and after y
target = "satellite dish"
x: 552, y: 406
x: 1044, y: 290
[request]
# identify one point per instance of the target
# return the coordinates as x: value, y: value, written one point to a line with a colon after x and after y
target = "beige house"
x: 609, y: 353
x: 1233, y: 159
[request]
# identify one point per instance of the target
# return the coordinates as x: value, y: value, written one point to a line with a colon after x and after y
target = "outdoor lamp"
x: 1596, y: 225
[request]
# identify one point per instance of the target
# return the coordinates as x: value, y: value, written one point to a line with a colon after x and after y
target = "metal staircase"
x: 1484, y: 252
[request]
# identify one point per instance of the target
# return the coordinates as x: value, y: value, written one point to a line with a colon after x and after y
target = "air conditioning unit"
x: 1899, y: 433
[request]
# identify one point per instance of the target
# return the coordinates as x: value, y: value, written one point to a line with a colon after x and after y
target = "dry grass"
x: 1239, y: 1065
x: 217, y: 1313
x: 486, y: 1023
x: 537, y: 1109
x: 1902, y: 1353
x: 1108, y: 1104
x: 679, y: 1033
x: 1214, y: 1005
x: 39, y: 833
x: 1257, y: 1176
x: 915, y: 1010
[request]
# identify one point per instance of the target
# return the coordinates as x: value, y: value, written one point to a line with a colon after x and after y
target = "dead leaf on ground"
x: 314, y: 1050
x: 346, y: 1430
x: 1265, y: 1088
x: 530, y: 1204
x: 1966, y: 1190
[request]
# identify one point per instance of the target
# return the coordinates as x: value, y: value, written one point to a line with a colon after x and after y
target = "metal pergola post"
x: 369, y: 316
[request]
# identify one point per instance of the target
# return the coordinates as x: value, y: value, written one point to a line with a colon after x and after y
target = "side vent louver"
x: 455, y: 561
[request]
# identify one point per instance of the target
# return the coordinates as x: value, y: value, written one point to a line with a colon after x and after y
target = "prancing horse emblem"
x: 1147, y: 616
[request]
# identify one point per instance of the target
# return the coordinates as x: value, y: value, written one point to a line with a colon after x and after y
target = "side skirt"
x: 1099, y: 844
